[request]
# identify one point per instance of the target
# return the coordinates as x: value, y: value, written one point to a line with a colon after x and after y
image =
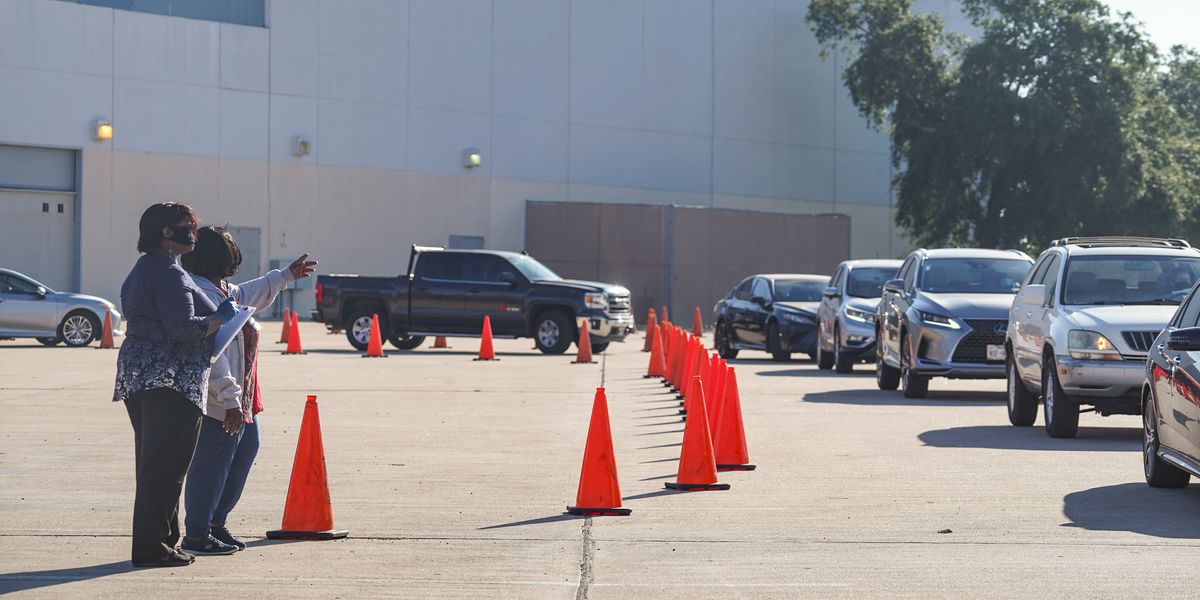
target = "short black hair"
x: 163, y: 214
x: 216, y: 256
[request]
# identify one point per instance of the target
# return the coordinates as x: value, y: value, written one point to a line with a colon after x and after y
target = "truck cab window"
x: 447, y: 266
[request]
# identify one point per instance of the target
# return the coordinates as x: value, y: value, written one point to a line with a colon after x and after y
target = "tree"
x: 1056, y: 119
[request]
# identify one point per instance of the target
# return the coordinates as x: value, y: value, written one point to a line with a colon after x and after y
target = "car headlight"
x: 1089, y: 345
x: 938, y: 320
x: 598, y: 301
x: 861, y: 316
x: 795, y: 317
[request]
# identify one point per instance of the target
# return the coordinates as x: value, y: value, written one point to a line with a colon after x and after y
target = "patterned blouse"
x: 166, y: 334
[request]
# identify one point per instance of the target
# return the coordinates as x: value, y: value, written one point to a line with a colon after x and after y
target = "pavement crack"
x: 586, y: 561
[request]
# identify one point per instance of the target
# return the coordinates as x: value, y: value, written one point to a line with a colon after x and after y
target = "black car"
x: 1170, y: 397
x: 776, y: 313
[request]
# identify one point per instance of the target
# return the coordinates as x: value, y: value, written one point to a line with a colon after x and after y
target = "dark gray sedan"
x: 30, y: 309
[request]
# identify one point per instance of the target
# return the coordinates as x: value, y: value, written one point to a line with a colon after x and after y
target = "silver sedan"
x: 30, y: 309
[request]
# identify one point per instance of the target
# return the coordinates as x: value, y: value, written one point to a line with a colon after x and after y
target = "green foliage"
x: 1056, y: 119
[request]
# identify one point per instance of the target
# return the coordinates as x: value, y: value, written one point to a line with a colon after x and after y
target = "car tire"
x: 406, y: 342
x: 722, y: 342
x: 358, y: 328
x: 50, y: 341
x: 886, y: 377
x: 824, y: 359
x: 778, y: 354
x: 553, y: 332
x: 842, y: 363
x: 1061, y: 415
x: 599, y: 347
x: 1022, y: 404
x: 1159, y: 473
x: 79, y: 328
x: 914, y: 385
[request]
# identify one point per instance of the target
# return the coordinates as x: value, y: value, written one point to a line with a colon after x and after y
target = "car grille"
x: 618, y: 304
x: 1139, y: 341
x: 972, y: 348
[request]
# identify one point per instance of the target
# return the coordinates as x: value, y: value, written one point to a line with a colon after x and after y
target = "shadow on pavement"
x: 662, y: 492
x: 878, y: 397
x: 660, y: 432
x: 538, y: 521
x: 671, y: 422
x: 30, y: 580
x: 667, y: 476
x: 675, y: 445
x: 661, y: 460
x: 1135, y: 507
x: 859, y: 374
x: 1006, y: 437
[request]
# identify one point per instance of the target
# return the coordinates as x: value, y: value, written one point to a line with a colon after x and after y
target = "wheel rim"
x: 1149, y: 439
x: 77, y: 329
x: 548, y: 333
x: 1050, y: 396
x: 362, y: 330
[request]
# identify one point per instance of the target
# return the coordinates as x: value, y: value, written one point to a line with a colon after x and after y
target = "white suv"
x: 1082, y: 325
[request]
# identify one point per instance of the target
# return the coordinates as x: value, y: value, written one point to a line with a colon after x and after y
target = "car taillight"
x: 320, y: 293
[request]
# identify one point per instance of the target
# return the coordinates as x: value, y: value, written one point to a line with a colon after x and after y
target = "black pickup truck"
x: 448, y: 292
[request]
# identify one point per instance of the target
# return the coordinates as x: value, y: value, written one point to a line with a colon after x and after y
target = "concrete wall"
x: 723, y: 104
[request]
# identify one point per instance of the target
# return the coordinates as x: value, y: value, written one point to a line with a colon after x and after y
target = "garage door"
x: 38, y: 233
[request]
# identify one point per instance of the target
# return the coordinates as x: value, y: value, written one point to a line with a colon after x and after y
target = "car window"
x: 1129, y: 279
x: 441, y: 265
x: 910, y: 274
x: 743, y: 290
x: 799, y: 290
x: 485, y: 267
x: 1188, y: 317
x: 867, y: 282
x: 973, y: 275
x: 836, y: 281
x: 16, y: 285
x: 1050, y: 277
x: 761, y: 289
x: 1039, y: 270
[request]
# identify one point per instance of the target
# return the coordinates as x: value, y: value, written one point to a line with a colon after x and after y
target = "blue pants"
x: 218, y: 475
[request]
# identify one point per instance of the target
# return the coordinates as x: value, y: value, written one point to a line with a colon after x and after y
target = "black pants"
x: 166, y: 426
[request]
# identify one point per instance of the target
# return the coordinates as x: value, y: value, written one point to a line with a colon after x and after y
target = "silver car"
x: 945, y: 316
x: 846, y: 317
x: 30, y: 309
x: 1081, y: 328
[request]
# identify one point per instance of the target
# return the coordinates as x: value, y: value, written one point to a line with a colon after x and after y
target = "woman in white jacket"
x: 229, y: 430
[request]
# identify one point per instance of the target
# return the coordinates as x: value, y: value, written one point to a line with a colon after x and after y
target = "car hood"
x: 969, y: 306
x: 1123, y: 318
x: 866, y: 304
x: 585, y: 286
x: 808, y: 307
x: 79, y: 298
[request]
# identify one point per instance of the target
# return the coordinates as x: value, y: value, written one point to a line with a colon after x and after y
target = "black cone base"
x: 369, y: 356
x: 583, y: 362
x: 683, y: 411
x: 285, y: 353
x: 721, y: 467
x: 287, y: 534
x: 696, y: 487
x: 486, y: 359
x: 599, y: 512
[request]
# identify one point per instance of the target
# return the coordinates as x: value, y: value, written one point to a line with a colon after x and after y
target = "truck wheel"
x: 79, y: 329
x: 358, y: 328
x: 722, y: 342
x: 406, y: 342
x: 1022, y: 404
x: 600, y: 347
x: 1159, y: 473
x: 775, y: 345
x: 1062, y: 415
x: 553, y: 332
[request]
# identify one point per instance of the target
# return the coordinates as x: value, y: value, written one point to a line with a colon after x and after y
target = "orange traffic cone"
x: 731, y: 453
x: 293, y: 344
x: 440, y: 342
x: 697, y: 323
x: 375, y: 346
x: 287, y: 325
x: 703, y: 370
x: 719, y: 376
x: 666, y: 316
x: 697, y: 463
x: 599, y: 490
x: 485, y: 346
x: 584, y: 344
x: 650, y: 327
x: 308, y: 513
x: 685, y: 374
x: 106, y: 337
x: 656, y: 368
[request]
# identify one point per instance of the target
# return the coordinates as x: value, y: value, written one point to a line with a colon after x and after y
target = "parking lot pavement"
x: 452, y: 477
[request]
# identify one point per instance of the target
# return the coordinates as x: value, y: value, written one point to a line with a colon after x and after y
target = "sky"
x: 1168, y: 22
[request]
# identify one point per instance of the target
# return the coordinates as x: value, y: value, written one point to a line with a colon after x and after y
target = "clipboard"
x: 229, y: 330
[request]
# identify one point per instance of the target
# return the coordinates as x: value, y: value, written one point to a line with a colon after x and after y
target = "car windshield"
x: 532, y: 269
x: 867, y: 282
x: 973, y: 275
x: 1129, y: 279
x: 798, y: 290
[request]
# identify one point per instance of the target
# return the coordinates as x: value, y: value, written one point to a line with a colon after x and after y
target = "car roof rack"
x: 1121, y: 240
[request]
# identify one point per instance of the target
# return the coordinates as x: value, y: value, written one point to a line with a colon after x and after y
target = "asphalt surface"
x: 452, y: 477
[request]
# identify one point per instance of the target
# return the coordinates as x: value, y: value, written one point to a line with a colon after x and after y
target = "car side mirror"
x: 831, y: 292
x: 1184, y: 340
x: 895, y: 286
x: 1035, y: 295
x: 759, y: 300
x: 508, y: 277
x: 41, y: 292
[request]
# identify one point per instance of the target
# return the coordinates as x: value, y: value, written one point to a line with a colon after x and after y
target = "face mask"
x: 182, y: 235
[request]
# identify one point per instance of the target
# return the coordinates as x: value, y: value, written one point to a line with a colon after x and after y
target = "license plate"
x: 995, y: 352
